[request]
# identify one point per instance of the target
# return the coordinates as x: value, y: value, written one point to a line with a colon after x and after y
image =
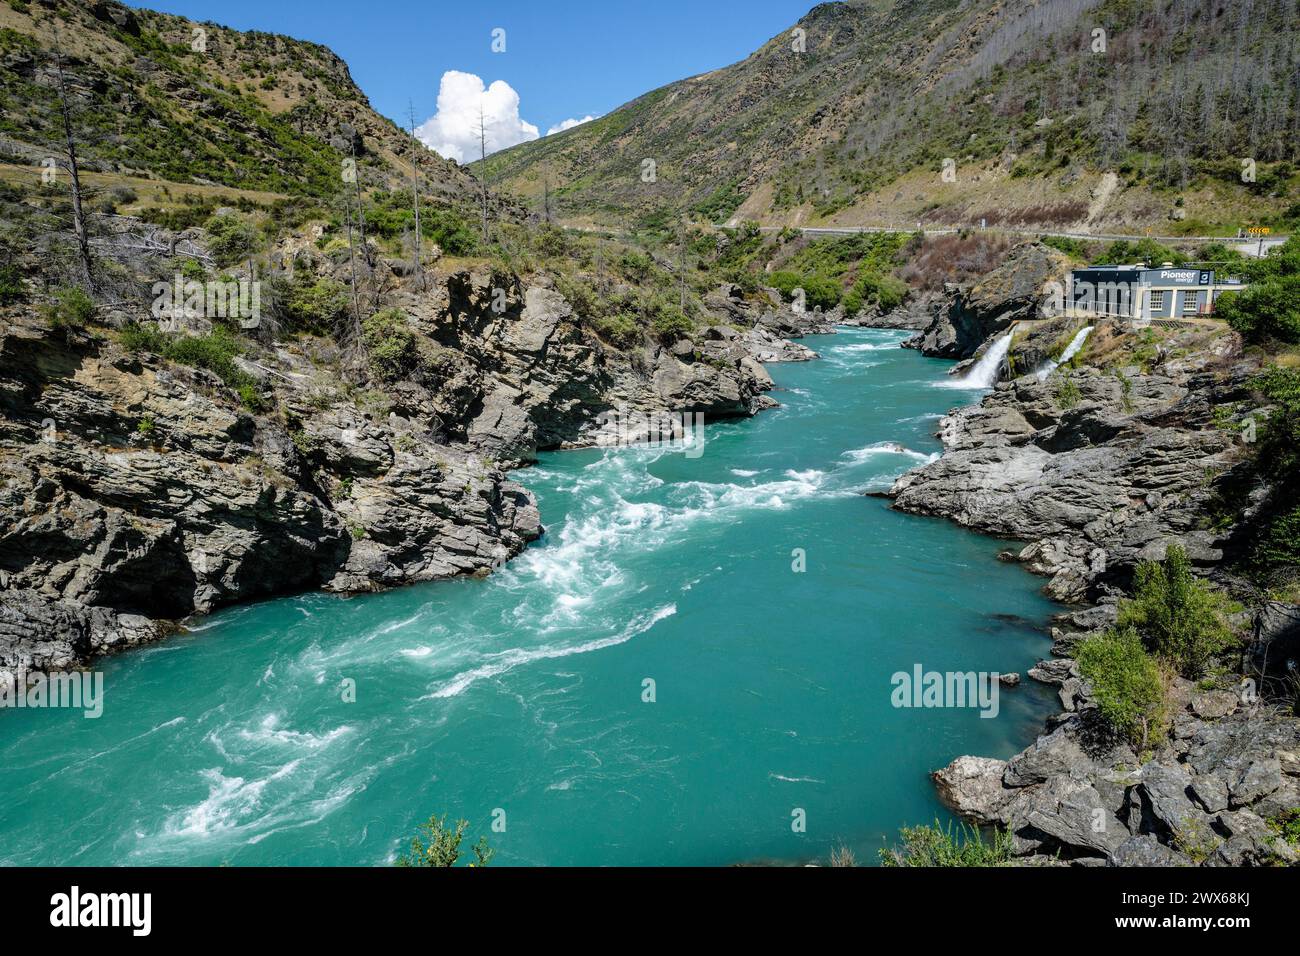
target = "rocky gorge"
x: 138, y: 491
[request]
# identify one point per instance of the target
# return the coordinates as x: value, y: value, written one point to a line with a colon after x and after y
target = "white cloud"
x: 453, y: 131
x: 568, y: 124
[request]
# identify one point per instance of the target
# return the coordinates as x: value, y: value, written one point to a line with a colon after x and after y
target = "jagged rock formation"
x: 134, y: 489
x: 1202, y: 798
x: 1099, y: 470
x: 1110, y: 479
x: 1014, y: 291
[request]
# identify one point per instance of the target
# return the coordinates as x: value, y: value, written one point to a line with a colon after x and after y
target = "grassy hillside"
x: 160, y: 97
x: 1043, y: 126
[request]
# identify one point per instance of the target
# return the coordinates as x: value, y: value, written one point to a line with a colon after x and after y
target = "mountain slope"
x: 856, y: 129
x: 158, y: 96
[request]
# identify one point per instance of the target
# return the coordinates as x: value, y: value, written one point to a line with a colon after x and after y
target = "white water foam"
x: 888, y: 448
x: 1071, y: 350
x: 508, y: 660
x: 984, y: 373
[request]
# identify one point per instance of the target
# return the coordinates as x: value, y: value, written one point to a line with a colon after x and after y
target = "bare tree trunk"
x: 482, y: 151
x: 361, y: 224
x: 356, y: 298
x: 74, y: 173
x: 681, y: 263
x: 415, y: 195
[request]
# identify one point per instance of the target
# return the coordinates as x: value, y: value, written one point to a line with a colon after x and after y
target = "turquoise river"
x: 520, y: 700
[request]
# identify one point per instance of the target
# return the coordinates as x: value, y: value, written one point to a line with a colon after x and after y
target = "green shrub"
x: 670, y: 325
x: 580, y: 294
x: 314, y: 304
x: 1065, y: 390
x: 1180, y: 616
x: 936, y: 845
x: 215, y: 352
x: 885, y: 292
x: 437, y: 845
x: 390, y: 343
x: 1123, y: 252
x: 231, y: 238
x: 1193, y: 838
x: 818, y: 290
x: 70, y: 308
x: 453, y: 234
x: 622, y: 330
x: 1126, y: 684
x: 12, y: 287
x: 1287, y: 826
x: 192, y: 269
x: 1278, y: 544
x: 1267, y: 310
x: 142, y: 338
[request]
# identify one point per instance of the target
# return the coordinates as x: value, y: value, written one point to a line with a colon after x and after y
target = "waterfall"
x: 984, y: 373
x: 1071, y: 350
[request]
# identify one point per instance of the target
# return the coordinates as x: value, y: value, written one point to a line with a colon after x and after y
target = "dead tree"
x: 415, y: 194
x: 482, y: 169
x: 355, y: 344
x: 361, y: 221
x: 74, y: 174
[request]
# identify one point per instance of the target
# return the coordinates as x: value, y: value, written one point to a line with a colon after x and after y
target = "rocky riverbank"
x: 1095, y: 469
x: 138, y: 491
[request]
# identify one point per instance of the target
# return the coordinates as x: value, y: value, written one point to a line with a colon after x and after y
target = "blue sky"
x: 564, y: 58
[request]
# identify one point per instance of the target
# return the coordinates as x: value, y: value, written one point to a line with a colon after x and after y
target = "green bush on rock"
x: 437, y: 845
x: 390, y: 343
x: 1181, y: 617
x: 71, y: 308
x: 936, y: 845
x: 1126, y: 684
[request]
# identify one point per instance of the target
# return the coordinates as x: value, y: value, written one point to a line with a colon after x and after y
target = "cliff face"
x: 1097, y: 469
x: 138, y: 491
x: 966, y: 316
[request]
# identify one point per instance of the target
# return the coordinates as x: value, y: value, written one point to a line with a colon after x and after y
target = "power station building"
x: 1169, y: 292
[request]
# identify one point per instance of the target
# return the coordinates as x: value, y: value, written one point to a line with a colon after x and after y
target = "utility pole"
x: 78, y: 216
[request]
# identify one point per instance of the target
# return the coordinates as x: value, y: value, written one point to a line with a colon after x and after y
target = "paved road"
x: 1246, y: 246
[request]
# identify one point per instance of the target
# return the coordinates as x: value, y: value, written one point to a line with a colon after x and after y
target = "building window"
x: 1189, y: 303
x: 1157, y: 300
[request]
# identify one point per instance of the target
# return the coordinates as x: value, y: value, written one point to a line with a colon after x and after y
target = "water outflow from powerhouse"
x: 1071, y: 350
x: 984, y: 373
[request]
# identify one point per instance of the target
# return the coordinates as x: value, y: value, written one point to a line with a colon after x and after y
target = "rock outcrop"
x: 1203, y: 797
x: 1096, y: 478
x: 1098, y: 470
x: 134, y: 491
x: 969, y: 315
